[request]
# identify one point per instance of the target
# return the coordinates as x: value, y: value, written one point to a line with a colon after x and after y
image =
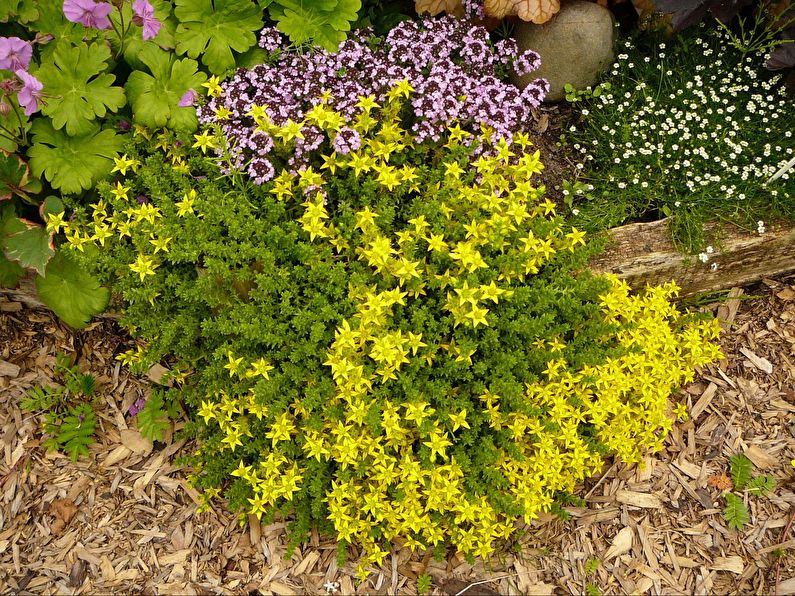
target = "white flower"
x: 331, y: 587
x: 714, y: 267
x: 703, y: 257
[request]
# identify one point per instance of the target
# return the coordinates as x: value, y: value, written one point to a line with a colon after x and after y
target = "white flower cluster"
x: 712, y: 131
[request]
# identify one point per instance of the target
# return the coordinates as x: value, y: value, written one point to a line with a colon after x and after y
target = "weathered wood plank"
x: 644, y: 254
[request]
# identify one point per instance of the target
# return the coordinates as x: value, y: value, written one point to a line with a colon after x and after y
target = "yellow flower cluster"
x: 400, y: 496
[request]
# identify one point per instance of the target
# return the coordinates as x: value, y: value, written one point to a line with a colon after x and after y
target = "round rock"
x: 575, y: 46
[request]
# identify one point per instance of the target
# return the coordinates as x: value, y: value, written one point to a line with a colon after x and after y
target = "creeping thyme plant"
x: 691, y: 128
x: 399, y: 343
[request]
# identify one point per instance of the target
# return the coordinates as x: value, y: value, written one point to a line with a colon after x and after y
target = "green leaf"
x: 152, y: 420
x: 741, y: 470
x: 134, y: 42
x: 155, y: 97
x: 75, y: 433
x: 74, y: 295
x: 72, y: 164
x: 52, y: 20
x: 325, y: 22
x: 18, y: 11
x: 10, y: 273
x: 213, y: 28
x: 735, y: 513
x: 15, y: 178
x: 30, y: 247
x: 77, y: 86
x: 762, y: 485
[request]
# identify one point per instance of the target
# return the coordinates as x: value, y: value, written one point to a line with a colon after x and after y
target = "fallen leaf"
x: 786, y: 294
x: 63, y: 510
x: 434, y: 7
x: 720, y: 481
x: 622, y: 543
x: 533, y: 11
x: 543, y: 124
x: 132, y: 440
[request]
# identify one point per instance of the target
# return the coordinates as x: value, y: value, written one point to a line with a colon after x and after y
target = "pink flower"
x: 15, y: 53
x: 145, y: 15
x: 30, y: 93
x: 88, y: 13
x: 188, y: 99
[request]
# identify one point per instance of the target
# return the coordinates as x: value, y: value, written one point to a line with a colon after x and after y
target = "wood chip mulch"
x: 124, y: 520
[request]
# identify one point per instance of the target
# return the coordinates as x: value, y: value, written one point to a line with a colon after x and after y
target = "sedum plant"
x: 401, y: 343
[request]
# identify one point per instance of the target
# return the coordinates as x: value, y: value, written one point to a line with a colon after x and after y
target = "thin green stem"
x: 21, y: 124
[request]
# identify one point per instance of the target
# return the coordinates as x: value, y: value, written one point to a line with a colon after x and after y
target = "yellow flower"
x: 143, y: 266
x: 213, y: 86
x: 204, y: 141
x: 233, y: 364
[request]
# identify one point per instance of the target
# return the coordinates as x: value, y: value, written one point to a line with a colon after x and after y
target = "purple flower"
x: 15, y: 53
x: 526, y: 63
x: 346, y: 140
x: 88, y: 13
x: 270, y: 39
x: 145, y: 16
x: 136, y: 407
x: 188, y: 99
x: 142, y: 200
x: 30, y: 93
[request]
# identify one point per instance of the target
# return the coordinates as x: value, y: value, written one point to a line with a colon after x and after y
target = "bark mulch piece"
x: 124, y: 519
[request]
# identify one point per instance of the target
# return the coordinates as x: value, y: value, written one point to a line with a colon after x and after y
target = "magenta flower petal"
x: 15, y: 53
x: 88, y: 13
x: 30, y: 93
x: 188, y: 98
x: 145, y: 16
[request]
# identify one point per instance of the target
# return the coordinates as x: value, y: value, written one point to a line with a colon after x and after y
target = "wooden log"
x: 643, y: 254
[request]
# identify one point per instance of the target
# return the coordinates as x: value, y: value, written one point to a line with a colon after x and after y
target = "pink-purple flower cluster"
x: 451, y: 64
x: 95, y: 15
x: 15, y: 55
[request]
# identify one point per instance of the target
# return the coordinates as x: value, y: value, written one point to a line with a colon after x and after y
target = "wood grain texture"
x: 643, y: 254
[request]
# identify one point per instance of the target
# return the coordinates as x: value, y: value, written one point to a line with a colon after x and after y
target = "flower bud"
x: 5, y: 108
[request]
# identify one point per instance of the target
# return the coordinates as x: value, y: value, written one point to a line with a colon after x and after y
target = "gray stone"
x: 575, y: 46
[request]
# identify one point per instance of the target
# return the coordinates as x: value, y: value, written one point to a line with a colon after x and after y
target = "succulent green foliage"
x: 152, y: 419
x: 72, y: 293
x: 30, y: 247
x: 735, y: 512
x: 762, y: 485
x: 324, y: 22
x: 72, y: 164
x: 592, y: 565
x: 69, y: 418
x: 154, y: 97
x: 591, y: 589
x: 74, y: 433
x: 741, y: 469
x: 78, y: 88
x: 424, y: 584
x: 15, y: 178
x: 212, y: 29
x: 18, y: 11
